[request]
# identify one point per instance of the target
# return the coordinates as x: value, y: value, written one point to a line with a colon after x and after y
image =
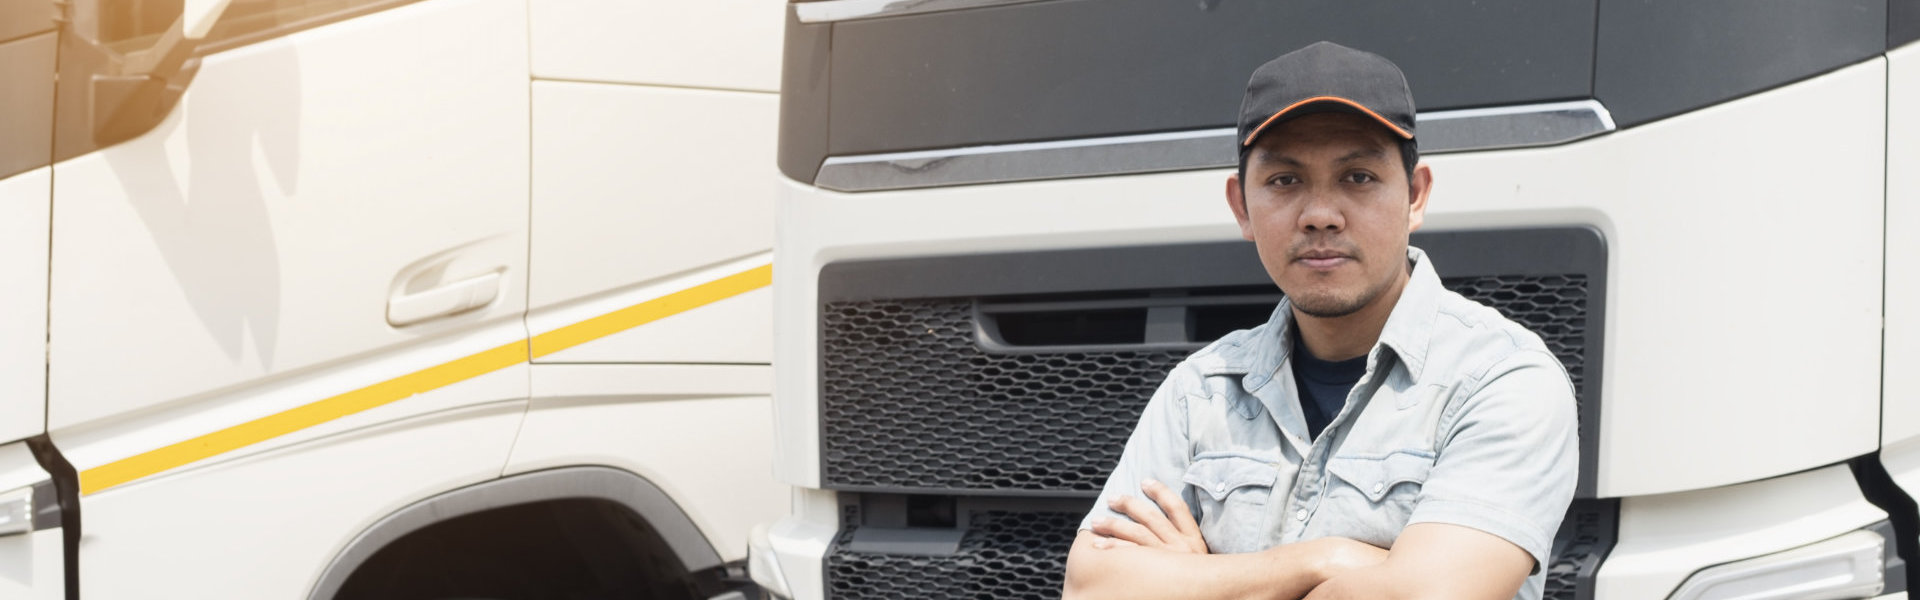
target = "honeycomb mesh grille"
x: 910, y: 402
x: 1004, y: 555
x: 1021, y: 555
x: 1553, y: 306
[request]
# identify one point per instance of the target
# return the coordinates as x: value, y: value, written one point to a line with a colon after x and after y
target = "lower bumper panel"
x: 1015, y: 554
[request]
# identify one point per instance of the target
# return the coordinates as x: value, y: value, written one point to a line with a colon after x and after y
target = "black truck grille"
x: 927, y: 393
x: 911, y: 402
x: 1005, y: 555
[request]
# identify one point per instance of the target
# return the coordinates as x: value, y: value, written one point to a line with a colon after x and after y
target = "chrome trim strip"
x: 1517, y: 126
x: 1499, y: 127
x: 827, y: 11
x: 1085, y: 157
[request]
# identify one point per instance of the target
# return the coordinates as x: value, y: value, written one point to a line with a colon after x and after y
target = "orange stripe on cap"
x: 1356, y: 105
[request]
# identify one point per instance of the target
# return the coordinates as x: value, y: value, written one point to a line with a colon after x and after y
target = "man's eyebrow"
x: 1374, y: 152
x: 1275, y: 157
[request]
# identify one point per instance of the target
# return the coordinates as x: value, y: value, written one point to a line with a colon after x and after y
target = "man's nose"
x: 1321, y: 212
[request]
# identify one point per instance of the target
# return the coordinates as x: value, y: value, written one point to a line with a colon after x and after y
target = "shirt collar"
x: 1408, y: 328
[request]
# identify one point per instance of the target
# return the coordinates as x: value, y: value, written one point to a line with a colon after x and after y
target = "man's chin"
x: 1327, y: 306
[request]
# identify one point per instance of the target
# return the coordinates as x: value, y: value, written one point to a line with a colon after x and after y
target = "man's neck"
x: 1351, y: 335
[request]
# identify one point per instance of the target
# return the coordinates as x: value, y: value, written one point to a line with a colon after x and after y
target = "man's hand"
x: 1165, y: 523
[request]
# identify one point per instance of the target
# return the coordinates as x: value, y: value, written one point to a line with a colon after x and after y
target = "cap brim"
x: 1343, y: 104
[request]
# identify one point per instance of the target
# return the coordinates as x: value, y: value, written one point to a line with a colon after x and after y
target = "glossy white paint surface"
x: 703, y: 434
x: 1741, y: 286
x: 729, y: 44
x: 260, y: 232
x: 249, y: 255
x: 632, y: 184
x: 1709, y: 325
x: 1666, y: 537
x: 18, y: 468
x: 265, y: 526
x: 641, y: 383
x: 1902, y: 387
x: 24, y: 212
x: 32, y: 566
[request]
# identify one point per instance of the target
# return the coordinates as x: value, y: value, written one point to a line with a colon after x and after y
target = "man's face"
x: 1329, y: 205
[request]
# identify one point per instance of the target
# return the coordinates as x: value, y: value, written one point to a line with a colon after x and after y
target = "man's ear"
x: 1418, y: 187
x: 1237, y: 202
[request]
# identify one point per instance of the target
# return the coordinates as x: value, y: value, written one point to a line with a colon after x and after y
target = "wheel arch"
x: 651, y: 504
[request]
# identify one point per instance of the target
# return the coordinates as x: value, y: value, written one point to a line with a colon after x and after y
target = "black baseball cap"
x: 1325, y: 77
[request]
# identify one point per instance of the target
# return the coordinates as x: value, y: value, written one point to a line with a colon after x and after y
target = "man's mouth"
x: 1322, y: 259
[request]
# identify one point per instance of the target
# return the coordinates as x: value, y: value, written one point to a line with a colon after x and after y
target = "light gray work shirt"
x: 1462, y: 417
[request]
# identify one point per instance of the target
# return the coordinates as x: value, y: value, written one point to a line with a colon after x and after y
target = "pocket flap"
x: 1221, y: 474
x: 1375, y: 476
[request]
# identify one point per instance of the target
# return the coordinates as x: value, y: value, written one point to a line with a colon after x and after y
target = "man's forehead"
x: 1341, y: 148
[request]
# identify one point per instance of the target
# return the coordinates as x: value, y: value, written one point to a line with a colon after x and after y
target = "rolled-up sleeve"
x: 1509, y: 455
x: 1158, y: 448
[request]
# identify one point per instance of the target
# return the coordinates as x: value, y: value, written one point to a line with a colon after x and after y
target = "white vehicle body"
x: 1750, y: 236
x: 287, y: 302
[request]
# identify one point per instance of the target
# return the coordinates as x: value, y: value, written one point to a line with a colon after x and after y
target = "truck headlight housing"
x: 1848, y: 566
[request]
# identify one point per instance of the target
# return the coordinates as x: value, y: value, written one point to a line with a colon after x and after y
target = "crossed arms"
x: 1160, y: 553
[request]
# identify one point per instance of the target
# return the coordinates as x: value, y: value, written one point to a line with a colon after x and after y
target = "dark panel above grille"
x: 1051, y: 70
x: 1660, y: 59
x: 913, y: 400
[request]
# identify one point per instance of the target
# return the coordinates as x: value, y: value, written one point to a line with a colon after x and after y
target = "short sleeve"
x: 1157, y: 450
x: 1509, y: 457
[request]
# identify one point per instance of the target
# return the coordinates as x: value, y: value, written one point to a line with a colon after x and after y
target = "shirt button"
x: 1300, y: 515
x: 1220, y: 488
x: 1379, y: 486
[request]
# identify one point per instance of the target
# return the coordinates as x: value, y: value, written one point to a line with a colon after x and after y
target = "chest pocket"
x: 1232, y: 490
x: 1375, y: 496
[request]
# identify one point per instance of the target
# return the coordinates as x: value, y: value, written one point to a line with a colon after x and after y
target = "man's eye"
x: 1285, y: 180
x: 1361, y: 178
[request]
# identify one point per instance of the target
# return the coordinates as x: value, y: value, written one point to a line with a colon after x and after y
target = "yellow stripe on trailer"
x: 425, y: 380
x: 651, y: 310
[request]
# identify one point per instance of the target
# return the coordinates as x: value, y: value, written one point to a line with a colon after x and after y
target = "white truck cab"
x: 385, y: 298
x: 1002, y: 223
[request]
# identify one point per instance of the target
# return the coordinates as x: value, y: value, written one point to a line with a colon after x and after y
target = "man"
x: 1379, y: 436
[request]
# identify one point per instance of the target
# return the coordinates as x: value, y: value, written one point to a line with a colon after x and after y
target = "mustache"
x: 1317, y: 248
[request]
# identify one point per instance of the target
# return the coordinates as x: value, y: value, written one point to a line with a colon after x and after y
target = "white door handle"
x: 450, y: 299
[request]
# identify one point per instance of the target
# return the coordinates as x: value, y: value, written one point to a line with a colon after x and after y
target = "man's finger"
x: 1122, y: 529
x: 1107, y: 542
x: 1149, y: 515
x: 1175, y: 507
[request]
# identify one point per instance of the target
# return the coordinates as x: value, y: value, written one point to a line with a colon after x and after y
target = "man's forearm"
x: 1375, y: 583
x: 1436, y: 561
x: 1285, y: 572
